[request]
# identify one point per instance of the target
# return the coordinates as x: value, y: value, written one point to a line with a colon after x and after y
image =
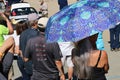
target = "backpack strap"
x: 98, y: 58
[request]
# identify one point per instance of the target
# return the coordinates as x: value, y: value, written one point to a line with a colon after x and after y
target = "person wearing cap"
x: 46, y: 57
x: 32, y: 31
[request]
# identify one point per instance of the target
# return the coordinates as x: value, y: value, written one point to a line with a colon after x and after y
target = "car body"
x: 20, y: 11
x: 19, y: 5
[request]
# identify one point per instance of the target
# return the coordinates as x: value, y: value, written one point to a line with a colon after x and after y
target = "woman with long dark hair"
x: 89, y: 62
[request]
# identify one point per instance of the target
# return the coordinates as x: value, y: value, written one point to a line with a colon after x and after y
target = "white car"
x: 20, y: 11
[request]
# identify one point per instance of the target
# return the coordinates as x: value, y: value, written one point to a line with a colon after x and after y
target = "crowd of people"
x: 39, y: 60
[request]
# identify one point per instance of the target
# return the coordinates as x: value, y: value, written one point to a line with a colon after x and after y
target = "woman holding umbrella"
x: 89, y: 62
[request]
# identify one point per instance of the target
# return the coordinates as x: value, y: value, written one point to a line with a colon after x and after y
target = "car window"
x: 23, y: 11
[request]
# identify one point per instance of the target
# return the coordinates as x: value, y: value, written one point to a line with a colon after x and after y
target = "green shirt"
x: 3, y: 31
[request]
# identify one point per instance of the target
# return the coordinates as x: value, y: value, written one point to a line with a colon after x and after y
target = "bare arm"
x: 106, y: 66
x: 60, y: 68
x: 9, y: 25
x: 21, y: 55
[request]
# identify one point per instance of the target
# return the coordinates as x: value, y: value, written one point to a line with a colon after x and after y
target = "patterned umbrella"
x: 82, y: 19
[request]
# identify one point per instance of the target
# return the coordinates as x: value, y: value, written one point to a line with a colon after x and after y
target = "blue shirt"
x: 25, y: 36
x: 100, y: 42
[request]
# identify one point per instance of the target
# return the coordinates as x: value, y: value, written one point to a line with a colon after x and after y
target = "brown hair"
x: 20, y: 27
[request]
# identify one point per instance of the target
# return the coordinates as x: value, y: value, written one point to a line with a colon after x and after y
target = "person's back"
x: 94, y: 61
x: 98, y: 60
x: 97, y: 64
x: 46, y: 57
x: 25, y: 36
x: 43, y: 56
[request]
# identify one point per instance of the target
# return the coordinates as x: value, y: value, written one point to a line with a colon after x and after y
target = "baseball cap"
x: 42, y: 22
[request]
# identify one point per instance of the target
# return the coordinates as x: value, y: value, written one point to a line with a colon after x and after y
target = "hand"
x: 62, y: 77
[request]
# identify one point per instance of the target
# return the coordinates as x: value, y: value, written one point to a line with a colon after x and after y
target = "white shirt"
x: 15, y: 36
x: 66, y: 47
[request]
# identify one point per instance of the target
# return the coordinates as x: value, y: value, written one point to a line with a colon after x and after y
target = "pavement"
x: 114, y: 57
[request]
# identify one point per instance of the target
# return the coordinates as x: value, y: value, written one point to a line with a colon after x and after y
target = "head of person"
x: 93, y: 40
x: 21, y: 26
x: 42, y: 22
x: 33, y: 20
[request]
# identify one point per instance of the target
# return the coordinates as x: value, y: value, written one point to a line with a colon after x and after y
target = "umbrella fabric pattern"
x: 109, y: 7
x: 82, y: 19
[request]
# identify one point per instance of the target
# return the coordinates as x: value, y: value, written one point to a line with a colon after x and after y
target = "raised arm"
x: 9, y: 25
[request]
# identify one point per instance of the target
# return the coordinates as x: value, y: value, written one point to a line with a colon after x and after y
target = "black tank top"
x: 98, y: 73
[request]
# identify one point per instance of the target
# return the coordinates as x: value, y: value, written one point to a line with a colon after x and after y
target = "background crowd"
x: 39, y: 60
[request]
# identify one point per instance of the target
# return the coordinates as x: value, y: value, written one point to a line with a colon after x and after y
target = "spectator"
x: 5, y: 29
x: 6, y: 45
x: 46, y: 58
x: 89, y: 62
x: 32, y: 31
x: 66, y: 49
x: 20, y: 26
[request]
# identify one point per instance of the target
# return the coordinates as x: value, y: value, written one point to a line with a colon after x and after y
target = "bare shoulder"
x: 104, y: 54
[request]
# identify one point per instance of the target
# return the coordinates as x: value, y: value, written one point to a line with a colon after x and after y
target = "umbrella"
x: 109, y: 7
x: 82, y: 19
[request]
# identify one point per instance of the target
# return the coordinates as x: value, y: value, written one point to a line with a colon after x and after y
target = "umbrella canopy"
x: 82, y: 19
x: 109, y: 7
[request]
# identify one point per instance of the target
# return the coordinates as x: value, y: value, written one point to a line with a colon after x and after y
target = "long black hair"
x: 80, y: 57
